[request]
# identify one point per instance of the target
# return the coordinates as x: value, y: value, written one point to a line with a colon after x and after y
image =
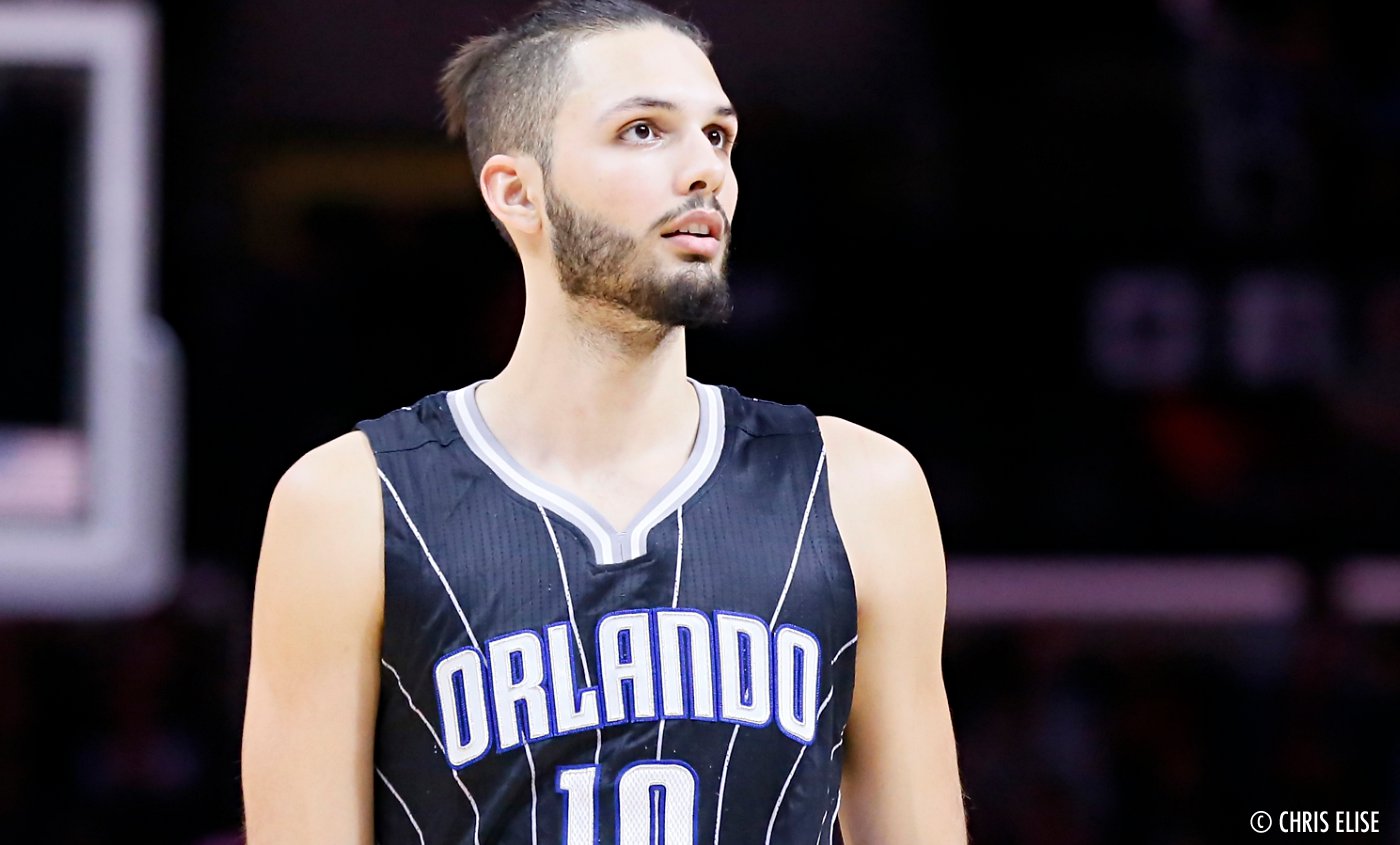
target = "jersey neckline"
x: 610, y: 545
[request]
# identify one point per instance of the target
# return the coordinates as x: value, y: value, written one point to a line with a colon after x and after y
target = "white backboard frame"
x: 120, y: 558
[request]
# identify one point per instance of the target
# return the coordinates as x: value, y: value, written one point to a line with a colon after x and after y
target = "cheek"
x: 619, y: 191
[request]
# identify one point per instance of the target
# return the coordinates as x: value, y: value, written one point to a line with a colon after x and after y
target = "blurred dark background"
x: 1125, y: 279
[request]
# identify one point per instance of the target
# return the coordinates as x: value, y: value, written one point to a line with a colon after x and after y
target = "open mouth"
x: 697, y: 233
x: 691, y: 244
x: 700, y: 223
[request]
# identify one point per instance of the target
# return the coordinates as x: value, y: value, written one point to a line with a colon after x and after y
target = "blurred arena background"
x: 1126, y: 280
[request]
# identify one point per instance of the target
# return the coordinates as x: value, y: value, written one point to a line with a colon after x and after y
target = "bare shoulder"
x: 324, y: 533
x: 867, y: 457
x: 333, y: 474
x: 882, y: 505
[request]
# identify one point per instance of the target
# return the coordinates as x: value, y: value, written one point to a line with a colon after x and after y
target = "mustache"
x: 696, y: 202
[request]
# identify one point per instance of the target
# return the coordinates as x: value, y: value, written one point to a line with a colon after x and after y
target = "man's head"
x: 598, y: 131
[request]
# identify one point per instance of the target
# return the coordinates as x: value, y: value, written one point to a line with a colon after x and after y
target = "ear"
x: 510, y: 185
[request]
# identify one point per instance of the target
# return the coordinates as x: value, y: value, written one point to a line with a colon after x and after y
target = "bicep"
x: 901, y: 779
x: 314, y: 674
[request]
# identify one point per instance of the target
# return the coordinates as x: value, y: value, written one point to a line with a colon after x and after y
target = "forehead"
x: 652, y: 61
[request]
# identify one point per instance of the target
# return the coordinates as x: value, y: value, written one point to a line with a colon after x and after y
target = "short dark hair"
x: 501, y: 92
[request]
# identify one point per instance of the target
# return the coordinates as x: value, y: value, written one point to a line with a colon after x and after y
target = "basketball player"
x: 590, y: 600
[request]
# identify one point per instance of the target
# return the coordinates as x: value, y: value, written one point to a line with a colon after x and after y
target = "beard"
x: 600, y: 263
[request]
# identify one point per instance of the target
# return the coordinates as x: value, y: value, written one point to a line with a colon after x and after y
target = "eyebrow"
x: 642, y: 102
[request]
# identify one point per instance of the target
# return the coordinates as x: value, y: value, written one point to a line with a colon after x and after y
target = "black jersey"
x: 547, y: 678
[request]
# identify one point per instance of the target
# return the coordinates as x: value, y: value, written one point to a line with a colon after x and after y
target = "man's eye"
x: 719, y: 136
x: 639, y: 132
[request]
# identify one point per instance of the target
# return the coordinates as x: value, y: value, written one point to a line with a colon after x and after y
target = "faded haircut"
x: 501, y: 92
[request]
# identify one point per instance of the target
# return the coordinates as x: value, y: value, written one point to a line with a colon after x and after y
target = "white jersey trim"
x: 610, y: 545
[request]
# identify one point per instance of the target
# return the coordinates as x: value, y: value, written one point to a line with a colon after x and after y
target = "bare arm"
x: 900, y: 781
x: 308, y: 749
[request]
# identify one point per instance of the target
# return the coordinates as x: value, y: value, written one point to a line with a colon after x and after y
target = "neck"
x: 589, y: 383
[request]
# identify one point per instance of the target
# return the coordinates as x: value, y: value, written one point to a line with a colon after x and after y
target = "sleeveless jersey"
x: 547, y: 678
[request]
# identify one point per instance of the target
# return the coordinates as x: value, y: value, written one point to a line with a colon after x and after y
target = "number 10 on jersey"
x: 656, y: 803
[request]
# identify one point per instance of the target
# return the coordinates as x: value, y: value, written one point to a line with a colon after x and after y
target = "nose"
x: 703, y: 166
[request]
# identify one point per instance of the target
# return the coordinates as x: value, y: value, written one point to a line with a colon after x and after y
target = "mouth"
x: 697, y: 232
x: 700, y: 223
x: 707, y: 246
